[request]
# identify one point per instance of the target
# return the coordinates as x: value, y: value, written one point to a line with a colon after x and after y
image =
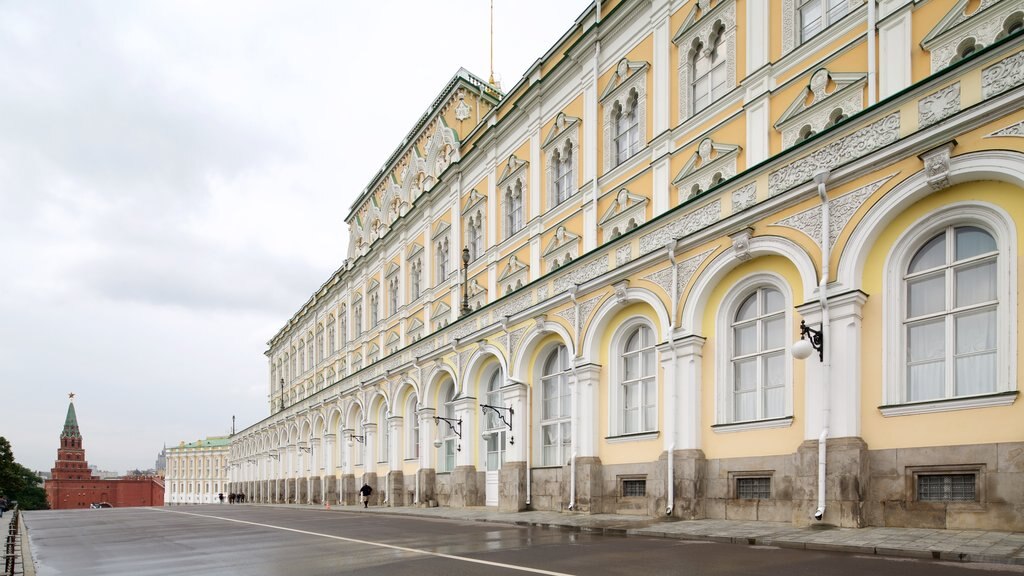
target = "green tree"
x: 20, y: 483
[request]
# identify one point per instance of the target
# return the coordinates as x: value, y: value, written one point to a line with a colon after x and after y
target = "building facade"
x: 583, y: 294
x: 197, y: 472
x: 72, y: 483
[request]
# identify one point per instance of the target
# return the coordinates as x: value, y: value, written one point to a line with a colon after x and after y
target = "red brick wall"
x: 71, y: 494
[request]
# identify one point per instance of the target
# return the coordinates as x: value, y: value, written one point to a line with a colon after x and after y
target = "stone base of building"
x: 426, y: 481
x: 377, y: 498
x: 348, y: 489
x: 465, y: 490
x: 331, y: 490
x: 512, y: 487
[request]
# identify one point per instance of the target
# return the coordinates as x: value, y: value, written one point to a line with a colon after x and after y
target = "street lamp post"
x: 465, y: 282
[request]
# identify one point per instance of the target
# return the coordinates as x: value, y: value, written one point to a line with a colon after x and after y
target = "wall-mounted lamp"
x: 815, y: 341
x: 360, y: 439
x: 274, y: 454
x: 500, y: 412
x: 303, y: 448
x: 451, y: 422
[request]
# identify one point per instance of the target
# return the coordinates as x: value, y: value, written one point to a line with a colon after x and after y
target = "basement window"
x: 947, y: 487
x: 633, y: 488
x: 754, y: 487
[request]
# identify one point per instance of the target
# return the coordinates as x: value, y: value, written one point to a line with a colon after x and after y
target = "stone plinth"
x: 331, y: 489
x: 348, y: 489
x: 846, y: 480
x: 512, y: 487
x: 465, y: 491
x: 427, y: 482
x: 396, y: 488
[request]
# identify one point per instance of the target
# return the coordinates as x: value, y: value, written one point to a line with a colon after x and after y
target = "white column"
x: 591, y: 129
x: 515, y: 395
x: 534, y: 209
x: 347, y: 447
x: 428, y: 432
x: 585, y: 386
x: 316, y: 458
x: 395, y: 443
x: 757, y: 130
x: 329, y: 448
x: 466, y: 410
x: 370, y: 452
x: 688, y: 398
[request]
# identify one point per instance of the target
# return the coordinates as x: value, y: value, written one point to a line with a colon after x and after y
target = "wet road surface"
x: 255, y: 540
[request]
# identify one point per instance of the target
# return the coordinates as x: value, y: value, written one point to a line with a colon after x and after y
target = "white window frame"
x: 560, y: 378
x: 415, y: 277
x: 718, y: 61
x: 626, y: 127
x: 724, y: 353
x: 616, y: 391
x: 412, y: 437
x: 393, y: 292
x: 827, y: 16
x: 443, y: 257
x: 512, y: 205
x: 446, y: 408
x: 718, y: 25
x: 996, y: 222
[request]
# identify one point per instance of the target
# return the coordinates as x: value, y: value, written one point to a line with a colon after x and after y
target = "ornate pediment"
x: 392, y: 338
x: 391, y: 269
x: 563, y: 125
x: 414, y: 325
x: 563, y: 247
x: 696, y: 15
x: 827, y: 97
x: 627, y: 212
x: 712, y: 163
x: 511, y: 167
x: 440, y: 229
x: 624, y: 73
x: 442, y: 309
x: 513, y: 268
x: 472, y: 200
x: 373, y: 285
x: 442, y: 148
x: 414, y: 249
x: 959, y: 34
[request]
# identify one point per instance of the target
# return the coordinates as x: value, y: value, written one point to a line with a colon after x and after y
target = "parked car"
x: 100, y: 505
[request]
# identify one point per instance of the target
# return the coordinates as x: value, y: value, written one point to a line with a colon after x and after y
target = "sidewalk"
x: 921, y: 543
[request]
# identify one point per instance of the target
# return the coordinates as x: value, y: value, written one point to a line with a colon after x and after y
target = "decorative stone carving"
x: 938, y: 105
x: 586, y: 307
x: 741, y: 244
x: 936, y: 165
x: 581, y: 274
x: 513, y: 340
x: 663, y: 277
x: 629, y: 211
x: 563, y: 247
x: 841, y: 211
x: 712, y: 163
x: 982, y: 26
x: 846, y: 98
x: 686, y: 224
x: 569, y: 314
x: 462, y: 111
x: 744, y: 197
x: 516, y: 304
x: 620, y: 291
x: 1003, y: 75
x: 872, y: 137
x: 698, y: 32
x: 542, y: 293
x: 514, y: 276
x: 623, y: 254
x: 1011, y: 130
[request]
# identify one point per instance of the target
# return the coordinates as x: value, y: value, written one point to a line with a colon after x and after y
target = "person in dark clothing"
x: 220, y: 496
x: 231, y: 498
x: 364, y: 494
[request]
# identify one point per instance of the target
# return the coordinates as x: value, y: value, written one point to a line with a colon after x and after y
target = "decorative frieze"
x: 623, y: 254
x: 686, y: 224
x: 938, y: 105
x: 1003, y: 75
x: 744, y: 198
x: 581, y: 274
x: 841, y: 210
x: 862, y: 142
x: 516, y: 304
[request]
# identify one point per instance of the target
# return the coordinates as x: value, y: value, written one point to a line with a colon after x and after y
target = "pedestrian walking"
x: 364, y: 494
x: 220, y: 496
x: 4, y: 503
x: 231, y: 498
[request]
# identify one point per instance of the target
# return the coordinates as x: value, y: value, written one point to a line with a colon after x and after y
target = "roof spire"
x: 491, y: 79
x: 71, y: 421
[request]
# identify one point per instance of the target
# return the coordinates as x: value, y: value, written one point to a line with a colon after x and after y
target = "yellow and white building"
x: 646, y: 220
x: 197, y: 472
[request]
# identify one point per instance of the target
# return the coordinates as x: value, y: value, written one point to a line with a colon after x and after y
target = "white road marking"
x: 368, y: 543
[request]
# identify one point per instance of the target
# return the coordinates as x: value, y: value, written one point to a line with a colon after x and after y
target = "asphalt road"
x: 255, y: 540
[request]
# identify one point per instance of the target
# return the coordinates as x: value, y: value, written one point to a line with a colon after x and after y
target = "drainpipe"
x: 670, y: 423
x: 574, y: 420
x: 826, y: 361
x: 871, y: 38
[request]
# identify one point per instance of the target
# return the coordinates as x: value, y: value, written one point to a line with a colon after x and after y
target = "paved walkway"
x: 948, y: 545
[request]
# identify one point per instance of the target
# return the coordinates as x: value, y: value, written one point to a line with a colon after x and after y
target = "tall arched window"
x: 638, y: 392
x: 563, y: 165
x: 626, y: 123
x: 415, y: 273
x: 412, y: 426
x: 950, y: 318
x: 320, y: 343
x: 343, y: 326
x: 393, y: 295
x: 556, y: 403
x: 493, y: 424
x: 302, y: 356
x: 442, y: 260
x: 331, y: 338
x: 708, y: 72
x: 513, y: 208
x: 310, y: 353
x: 357, y: 318
x: 374, y: 308
x: 758, y: 371
x: 446, y: 408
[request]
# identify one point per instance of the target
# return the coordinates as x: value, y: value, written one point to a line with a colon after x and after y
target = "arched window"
x: 816, y: 15
x: 357, y: 318
x: 320, y: 343
x: 393, y: 295
x: 637, y: 390
x: 475, y: 237
x: 950, y: 322
x: 331, y: 338
x: 708, y: 72
x: 415, y: 273
x: 513, y: 208
x: 556, y: 403
x: 374, y: 308
x: 757, y: 357
x: 626, y: 124
x: 493, y: 424
x: 310, y: 350
x: 384, y: 434
x: 564, y: 173
x: 442, y: 260
x: 343, y: 326
x: 446, y: 408
x: 412, y: 426
x: 302, y: 356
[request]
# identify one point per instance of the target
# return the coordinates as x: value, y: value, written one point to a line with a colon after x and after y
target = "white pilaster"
x: 585, y: 386
x: 758, y: 31
x: 465, y: 410
x: 370, y: 450
x: 395, y: 443
x: 428, y: 431
x: 515, y: 396
x: 895, y: 44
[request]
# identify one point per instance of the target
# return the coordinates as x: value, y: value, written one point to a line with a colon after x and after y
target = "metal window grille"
x: 947, y: 488
x: 754, y: 488
x: 634, y: 488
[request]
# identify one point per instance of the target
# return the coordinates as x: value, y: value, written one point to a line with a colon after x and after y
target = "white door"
x: 495, y: 458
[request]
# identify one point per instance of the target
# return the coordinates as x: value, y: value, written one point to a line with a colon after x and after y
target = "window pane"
x: 926, y: 296
x: 648, y: 362
x: 976, y: 374
x: 744, y: 406
x: 748, y: 309
x: 926, y: 381
x: 810, y: 19
x: 718, y: 80
x: 932, y: 254
x: 976, y: 284
x: 926, y: 340
x: 745, y: 339
x: 773, y: 301
x: 976, y: 332
x: 972, y: 242
x: 631, y: 396
x: 745, y: 375
x: 774, y: 336
x: 774, y: 388
x: 630, y: 368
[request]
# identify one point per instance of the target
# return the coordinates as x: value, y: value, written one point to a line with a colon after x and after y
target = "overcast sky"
x: 174, y: 178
